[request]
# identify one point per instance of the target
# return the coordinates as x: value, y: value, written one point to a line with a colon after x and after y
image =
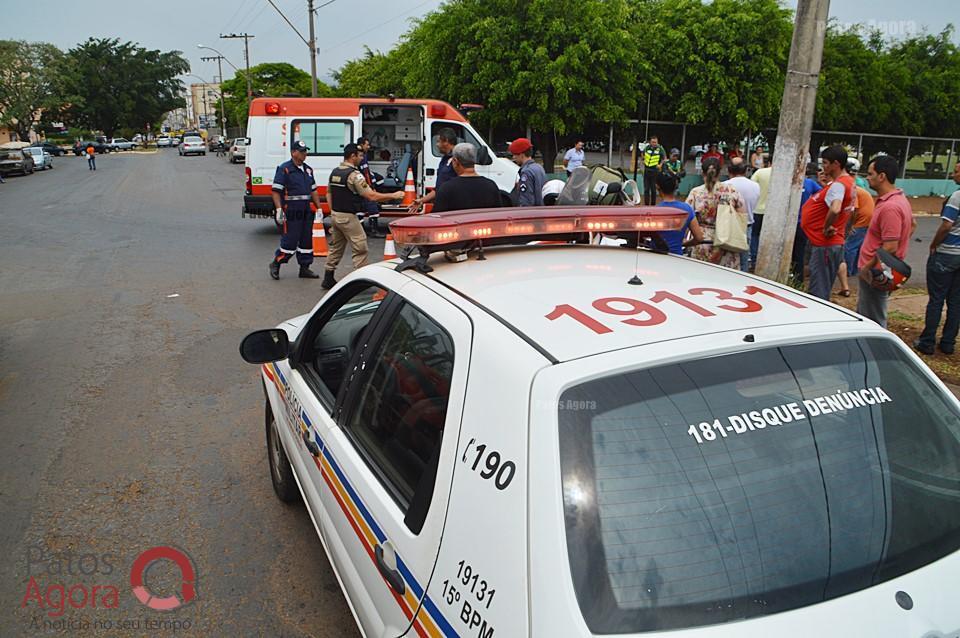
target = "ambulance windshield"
x: 747, y: 484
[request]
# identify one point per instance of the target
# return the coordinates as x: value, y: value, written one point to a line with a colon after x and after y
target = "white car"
x: 42, y: 160
x: 192, y: 145
x: 237, y: 151
x: 580, y: 440
x: 163, y: 141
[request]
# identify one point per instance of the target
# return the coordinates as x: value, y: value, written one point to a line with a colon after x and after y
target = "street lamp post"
x: 220, y: 57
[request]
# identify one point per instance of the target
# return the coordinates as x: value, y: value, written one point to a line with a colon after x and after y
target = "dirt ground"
x: 905, y: 314
x: 927, y: 205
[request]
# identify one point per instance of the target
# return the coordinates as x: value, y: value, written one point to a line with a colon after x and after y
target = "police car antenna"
x: 635, y: 280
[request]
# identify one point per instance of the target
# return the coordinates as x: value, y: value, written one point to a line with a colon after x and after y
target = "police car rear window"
x: 748, y: 484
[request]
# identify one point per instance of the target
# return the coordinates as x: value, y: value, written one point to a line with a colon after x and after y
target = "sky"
x: 344, y: 27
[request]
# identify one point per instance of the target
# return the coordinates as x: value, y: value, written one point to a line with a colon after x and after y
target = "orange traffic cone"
x: 409, y: 190
x: 319, y: 237
x: 389, y: 248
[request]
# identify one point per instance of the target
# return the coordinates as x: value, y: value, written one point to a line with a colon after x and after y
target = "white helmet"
x: 551, y: 190
x: 853, y: 165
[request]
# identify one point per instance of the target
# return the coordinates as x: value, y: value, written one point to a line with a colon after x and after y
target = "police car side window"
x: 401, y: 408
x: 332, y: 345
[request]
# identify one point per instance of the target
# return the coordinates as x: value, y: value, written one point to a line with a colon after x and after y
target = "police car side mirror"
x: 265, y: 346
x: 483, y: 156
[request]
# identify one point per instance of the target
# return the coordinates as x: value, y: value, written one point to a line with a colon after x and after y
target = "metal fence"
x: 919, y: 157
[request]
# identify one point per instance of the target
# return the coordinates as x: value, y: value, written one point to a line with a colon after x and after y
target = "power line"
x: 240, y: 7
x: 295, y: 30
x: 375, y: 27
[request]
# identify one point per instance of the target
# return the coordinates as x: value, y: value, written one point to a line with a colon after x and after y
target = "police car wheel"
x: 281, y: 474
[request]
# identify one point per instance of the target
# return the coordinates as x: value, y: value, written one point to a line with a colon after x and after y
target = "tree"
x: 273, y: 79
x: 28, y: 77
x: 552, y: 65
x: 122, y: 85
x: 719, y: 64
x: 376, y: 73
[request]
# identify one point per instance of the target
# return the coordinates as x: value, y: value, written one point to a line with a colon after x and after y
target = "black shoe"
x: 328, y: 280
x: 922, y: 348
x: 275, y: 269
x: 306, y: 273
x: 946, y: 349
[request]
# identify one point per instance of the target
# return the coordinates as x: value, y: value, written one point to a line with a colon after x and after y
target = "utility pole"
x: 223, y: 112
x: 313, y: 51
x: 793, y: 139
x: 246, y: 58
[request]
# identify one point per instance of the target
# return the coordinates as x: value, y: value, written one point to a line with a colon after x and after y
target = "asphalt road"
x: 129, y: 420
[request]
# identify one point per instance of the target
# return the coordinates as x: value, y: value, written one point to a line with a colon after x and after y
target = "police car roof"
x: 585, y: 290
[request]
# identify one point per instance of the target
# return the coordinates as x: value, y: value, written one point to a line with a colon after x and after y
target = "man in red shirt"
x: 712, y: 151
x: 824, y: 219
x: 890, y: 229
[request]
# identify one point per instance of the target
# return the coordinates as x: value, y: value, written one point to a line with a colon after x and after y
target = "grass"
x: 908, y: 326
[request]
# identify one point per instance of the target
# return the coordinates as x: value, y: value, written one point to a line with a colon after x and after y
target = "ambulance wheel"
x: 281, y: 474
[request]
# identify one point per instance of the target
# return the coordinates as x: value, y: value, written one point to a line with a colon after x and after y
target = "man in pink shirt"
x: 890, y: 229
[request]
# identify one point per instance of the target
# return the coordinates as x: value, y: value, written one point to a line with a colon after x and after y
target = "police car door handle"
x: 391, y: 575
x: 312, y: 446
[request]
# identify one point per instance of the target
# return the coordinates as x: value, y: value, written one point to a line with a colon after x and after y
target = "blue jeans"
x: 851, y: 249
x: 745, y: 256
x: 943, y: 285
x: 824, y: 264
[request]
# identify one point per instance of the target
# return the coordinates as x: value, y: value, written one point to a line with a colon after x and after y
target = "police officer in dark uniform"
x: 372, y: 211
x: 293, y: 190
x: 348, y: 194
x: 528, y: 190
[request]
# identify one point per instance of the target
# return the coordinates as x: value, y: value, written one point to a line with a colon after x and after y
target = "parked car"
x: 164, y: 141
x: 238, y: 150
x: 98, y: 147
x: 16, y: 161
x: 192, y: 145
x: 50, y: 147
x: 175, y: 141
x: 121, y: 144
x: 42, y: 160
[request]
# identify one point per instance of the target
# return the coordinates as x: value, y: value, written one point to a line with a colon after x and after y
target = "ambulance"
x: 403, y: 135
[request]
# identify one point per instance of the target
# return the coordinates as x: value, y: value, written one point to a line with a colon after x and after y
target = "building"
x: 204, y: 98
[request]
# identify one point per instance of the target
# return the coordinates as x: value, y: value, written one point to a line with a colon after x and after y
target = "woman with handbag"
x: 722, y: 215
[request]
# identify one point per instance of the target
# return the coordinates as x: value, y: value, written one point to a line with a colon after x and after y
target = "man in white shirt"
x: 573, y: 158
x: 750, y: 191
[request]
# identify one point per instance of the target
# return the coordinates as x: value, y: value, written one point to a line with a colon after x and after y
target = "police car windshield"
x: 742, y: 485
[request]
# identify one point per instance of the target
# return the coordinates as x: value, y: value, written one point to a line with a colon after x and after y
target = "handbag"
x: 731, y: 229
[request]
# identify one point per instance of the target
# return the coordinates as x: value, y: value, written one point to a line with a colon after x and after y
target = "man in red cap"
x: 529, y: 188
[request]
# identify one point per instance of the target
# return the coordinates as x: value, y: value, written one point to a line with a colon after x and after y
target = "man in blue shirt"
x: 667, y: 188
x: 293, y: 190
x: 810, y: 187
x: 446, y: 140
x: 943, y: 278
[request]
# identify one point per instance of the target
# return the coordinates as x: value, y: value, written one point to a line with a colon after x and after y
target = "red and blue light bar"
x: 451, y: 227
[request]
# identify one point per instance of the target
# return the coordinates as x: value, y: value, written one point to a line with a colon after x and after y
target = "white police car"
x: 581, y: 440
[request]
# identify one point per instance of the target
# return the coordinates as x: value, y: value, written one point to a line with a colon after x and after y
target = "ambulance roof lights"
x: 272, y: 108
x: 438, y: 229
x: 438, y: 110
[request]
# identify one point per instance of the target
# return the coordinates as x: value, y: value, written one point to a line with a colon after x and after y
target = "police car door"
x: 390, y: 460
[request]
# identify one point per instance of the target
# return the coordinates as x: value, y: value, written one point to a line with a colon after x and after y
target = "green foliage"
x: 376, y: 73
x: 720, y: 64
x: 557, y: 65
x: 269, y: 79
x: 28, y: 82
x: 111, y: 85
